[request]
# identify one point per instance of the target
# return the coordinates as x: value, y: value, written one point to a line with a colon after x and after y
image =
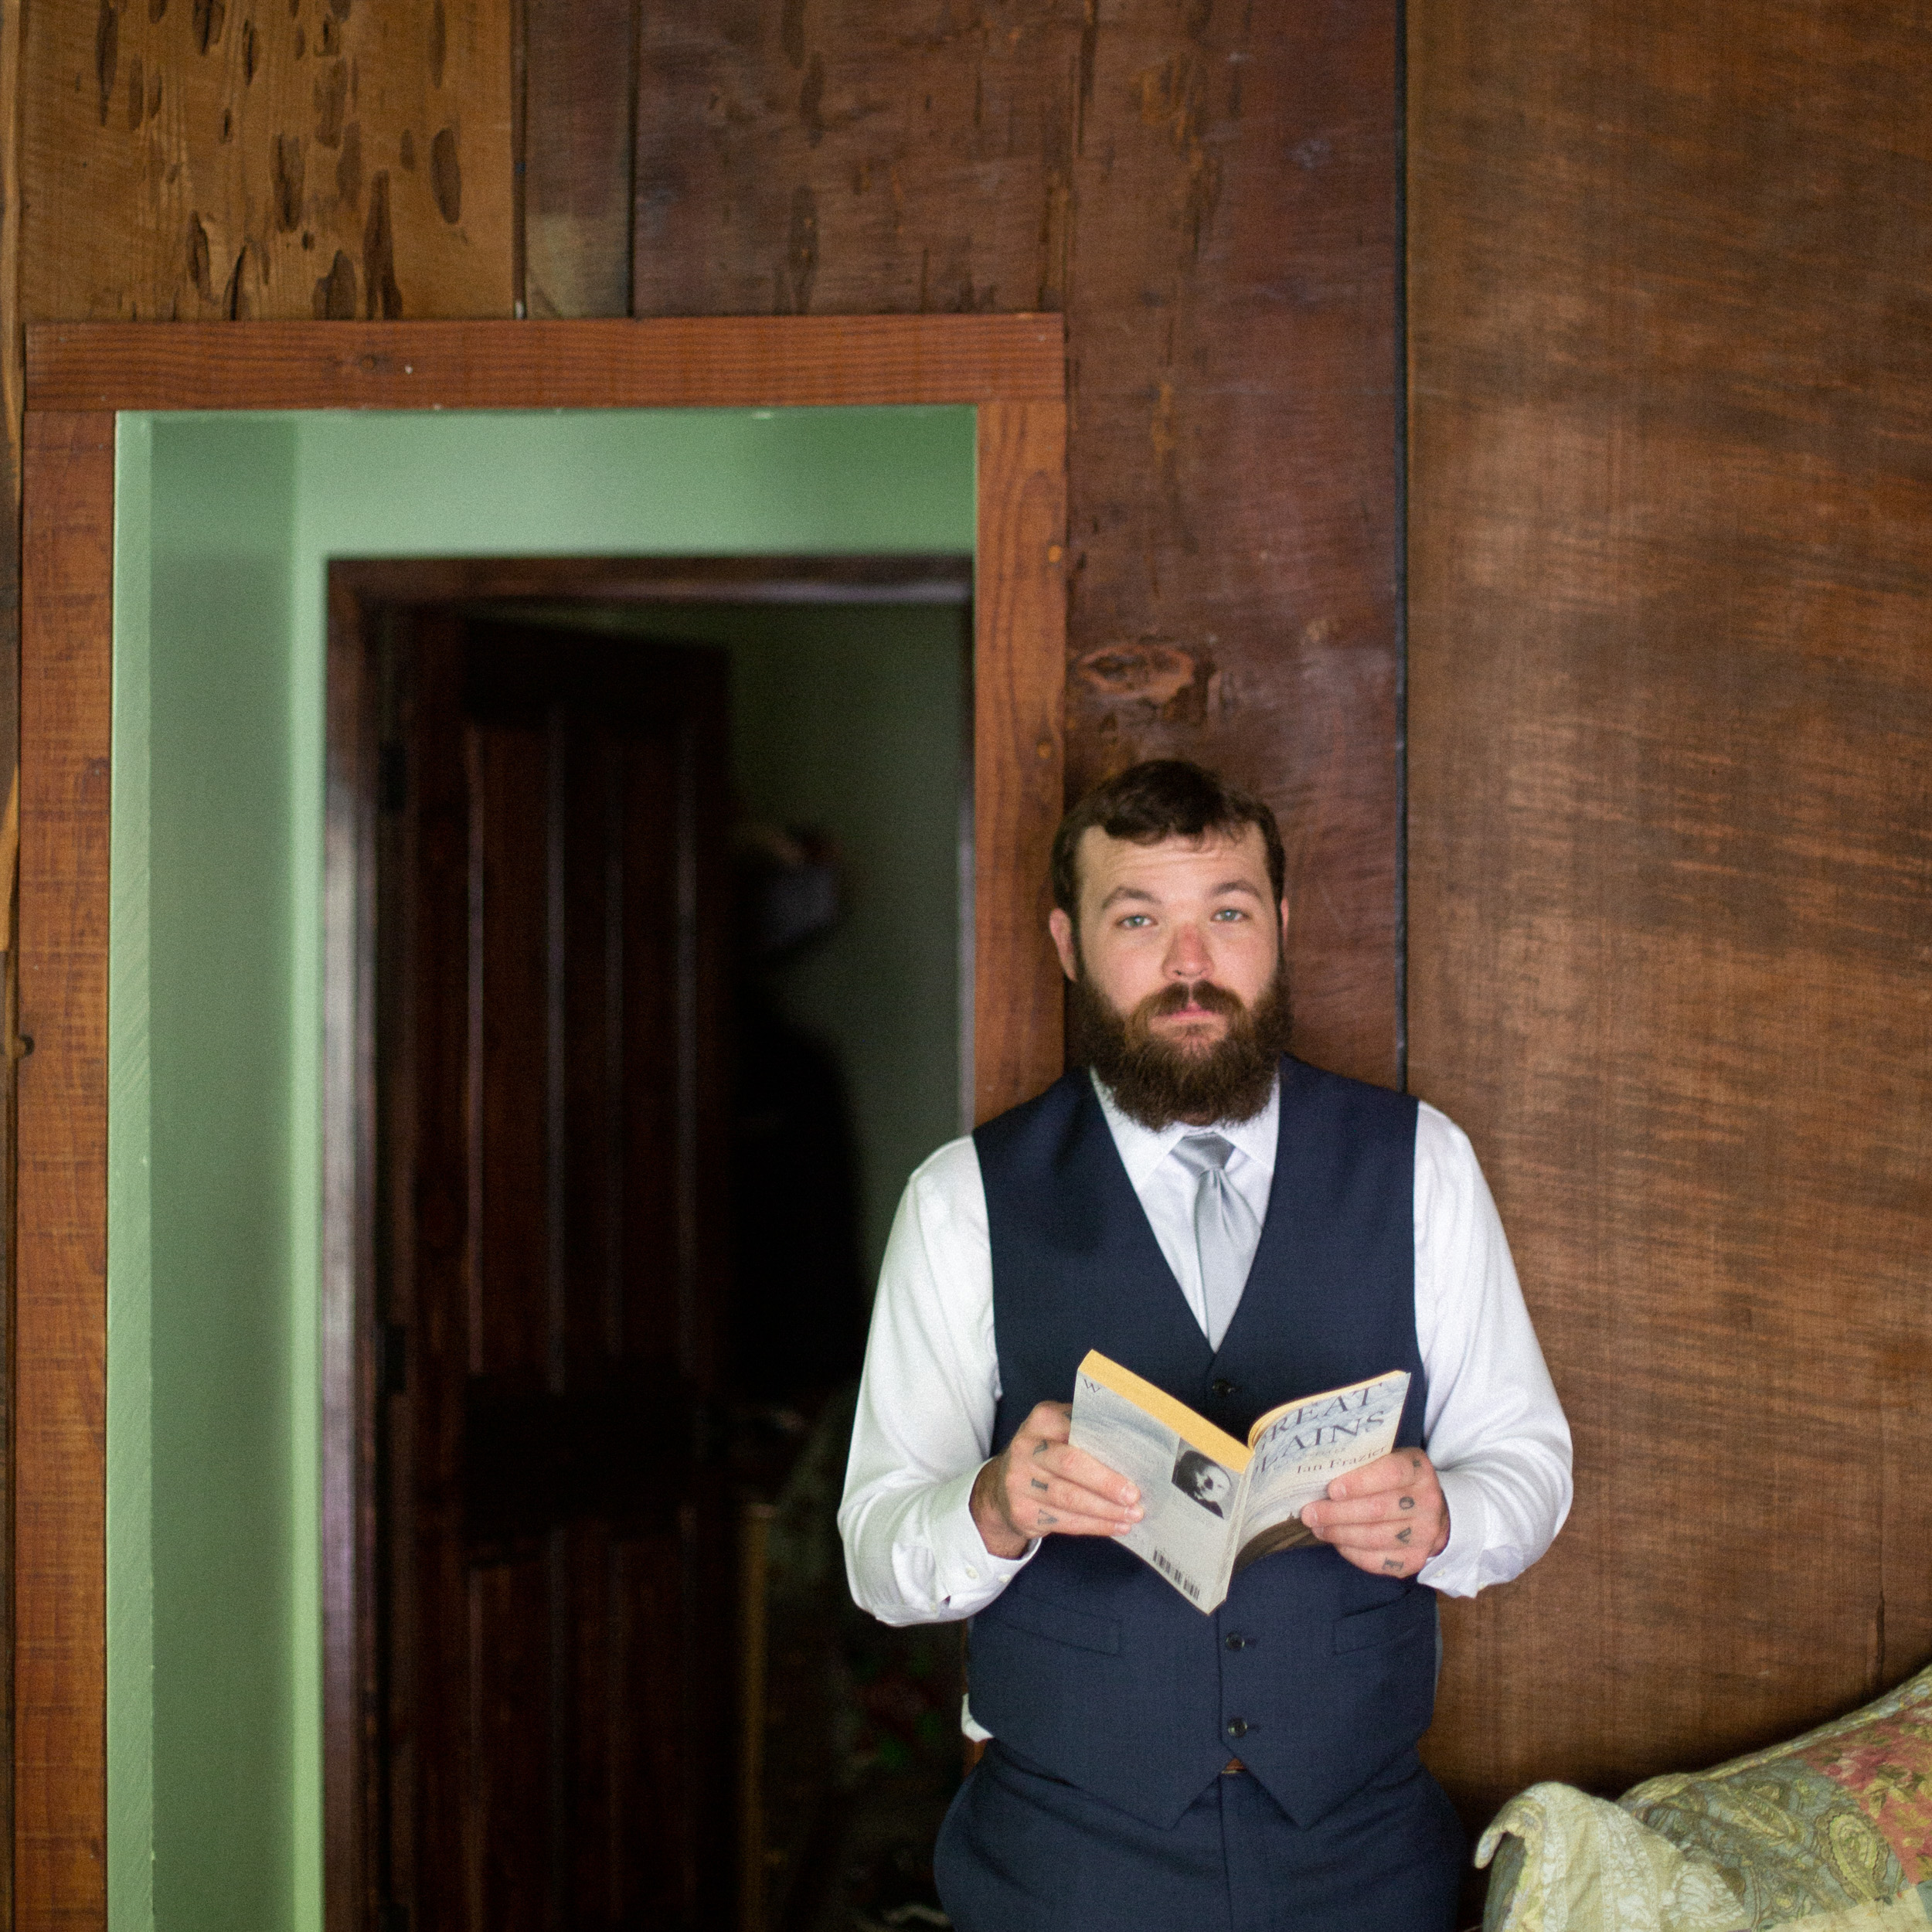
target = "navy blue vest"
x: 1314, y: 1673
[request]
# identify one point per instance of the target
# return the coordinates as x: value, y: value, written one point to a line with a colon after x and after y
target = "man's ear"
x: 1062, y: 929
x: 1283, y: 910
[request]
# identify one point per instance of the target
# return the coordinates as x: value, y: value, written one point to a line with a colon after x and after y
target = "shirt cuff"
x: 968, y: 1575
x: 1456, y: 1570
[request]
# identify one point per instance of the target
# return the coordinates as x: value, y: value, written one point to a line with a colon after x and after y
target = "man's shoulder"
x: 947, y: 1174
x: 1046, y: 1116
x: 1307, y: 1088
x: 1443, y: 1153
x: 943, y: 1202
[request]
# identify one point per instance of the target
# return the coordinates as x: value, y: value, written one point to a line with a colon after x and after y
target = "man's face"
x: 1214, y: 1483
x: 1175, y: 915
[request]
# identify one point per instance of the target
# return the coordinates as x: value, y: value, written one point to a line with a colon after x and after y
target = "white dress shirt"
x: 1492, y: 1425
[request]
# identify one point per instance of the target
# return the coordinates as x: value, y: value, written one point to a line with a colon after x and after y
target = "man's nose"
x: 1187, y: 953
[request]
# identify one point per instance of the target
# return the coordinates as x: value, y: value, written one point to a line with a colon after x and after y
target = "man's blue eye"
x: 1134, y: 919
x: 1230, y: 912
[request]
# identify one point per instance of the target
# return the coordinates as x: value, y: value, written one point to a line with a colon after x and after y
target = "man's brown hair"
x: 1162, y: 798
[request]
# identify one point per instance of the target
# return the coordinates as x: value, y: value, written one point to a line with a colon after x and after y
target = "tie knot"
x: 1198, y: 1152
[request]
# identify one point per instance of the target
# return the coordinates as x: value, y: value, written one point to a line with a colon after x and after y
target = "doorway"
x: 660, y: 1027
x: 186, y: 1178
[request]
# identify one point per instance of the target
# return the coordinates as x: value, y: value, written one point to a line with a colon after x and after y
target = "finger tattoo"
x: 1391, y: 1562
x: 1044, y: 1520
x: 1415, y: 1465
x: 1403, y: 1536
x: 1405, y: 1502
x: 1040, y: 1486
x: 1041, y: 1447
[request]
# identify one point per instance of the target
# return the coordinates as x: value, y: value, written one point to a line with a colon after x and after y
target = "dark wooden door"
x: 555, y: 1574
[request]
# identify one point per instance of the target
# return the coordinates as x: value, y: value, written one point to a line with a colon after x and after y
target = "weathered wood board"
x: 1671, y: 839
x: 1209, y: 194
x: 197, y: 159
x: 580, y: 81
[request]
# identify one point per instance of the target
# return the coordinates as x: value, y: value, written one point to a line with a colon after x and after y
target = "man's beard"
x: 1157, y: 1081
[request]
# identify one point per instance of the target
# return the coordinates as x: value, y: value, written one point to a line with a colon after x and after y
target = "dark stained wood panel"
x: 1210, y: 196
x: 59, y: 1441
x: 580, y: 65
x: 852, y: 156
x: 558, y: 909
x: 214, y: 161
x: 738, y: 362
x: 1232, y: 498
x: 1671, y: 839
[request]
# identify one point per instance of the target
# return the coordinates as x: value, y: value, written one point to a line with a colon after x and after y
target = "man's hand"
x: 1041, y: 1485
x: 1388, y: 1517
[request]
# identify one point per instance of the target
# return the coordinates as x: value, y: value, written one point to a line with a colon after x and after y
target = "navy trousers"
x: 1022, y: 1851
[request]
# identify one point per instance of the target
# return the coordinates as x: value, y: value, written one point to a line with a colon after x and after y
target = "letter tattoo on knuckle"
x: 1403, y: 1536
x: 1405, y: 1502
x: 1040, y: 1486
x: 1045, y: 1520
x: 1391, y: 1562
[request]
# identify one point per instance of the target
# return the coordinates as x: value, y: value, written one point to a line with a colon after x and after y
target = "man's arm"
x: 1489, y: 1495
x: 933, y: 1529
x: 924, y: 1422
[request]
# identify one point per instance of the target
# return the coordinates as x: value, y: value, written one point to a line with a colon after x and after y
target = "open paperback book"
x: 1213, y: 1504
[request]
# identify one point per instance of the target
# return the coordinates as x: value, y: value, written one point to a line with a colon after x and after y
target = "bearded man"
x: 1241, y: 1229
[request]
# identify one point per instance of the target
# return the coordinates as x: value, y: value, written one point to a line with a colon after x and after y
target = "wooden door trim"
x: 737, y: 361
x: 1018, y: 749
x: 1011, y: 368
x: 938, y: 577
x: 60, y: 1310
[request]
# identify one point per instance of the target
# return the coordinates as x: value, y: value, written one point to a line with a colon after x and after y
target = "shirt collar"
x: 1142, y: 1150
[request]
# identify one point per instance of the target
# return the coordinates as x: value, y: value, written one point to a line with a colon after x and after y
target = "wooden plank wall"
x: 1671, y: 706
x: 1209, y: 194
x: 1669, y: 722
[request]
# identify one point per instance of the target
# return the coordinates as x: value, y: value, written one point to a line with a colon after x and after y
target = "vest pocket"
x: 1411, y: 1613
x: 1059, y: 1622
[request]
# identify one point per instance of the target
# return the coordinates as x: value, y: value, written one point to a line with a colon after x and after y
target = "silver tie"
x: 1225, y: 1232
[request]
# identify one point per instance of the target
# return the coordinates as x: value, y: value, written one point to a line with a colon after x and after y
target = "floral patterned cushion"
x: 1839, y: 1819
x: 1565, y: 1861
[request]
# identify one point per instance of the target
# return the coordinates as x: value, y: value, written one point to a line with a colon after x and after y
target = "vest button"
x: 1235, y: 1640
x: 1237, y: 1727
x: 1222, y: 1387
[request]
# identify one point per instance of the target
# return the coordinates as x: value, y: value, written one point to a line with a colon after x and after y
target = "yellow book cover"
x: 1214, y: 1504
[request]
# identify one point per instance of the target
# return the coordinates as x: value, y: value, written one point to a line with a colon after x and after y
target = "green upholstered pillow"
x: 1840, y: 1817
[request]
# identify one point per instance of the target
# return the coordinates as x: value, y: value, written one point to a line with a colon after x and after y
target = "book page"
x: 1303, y: 1447
x: 1188, y: 1474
